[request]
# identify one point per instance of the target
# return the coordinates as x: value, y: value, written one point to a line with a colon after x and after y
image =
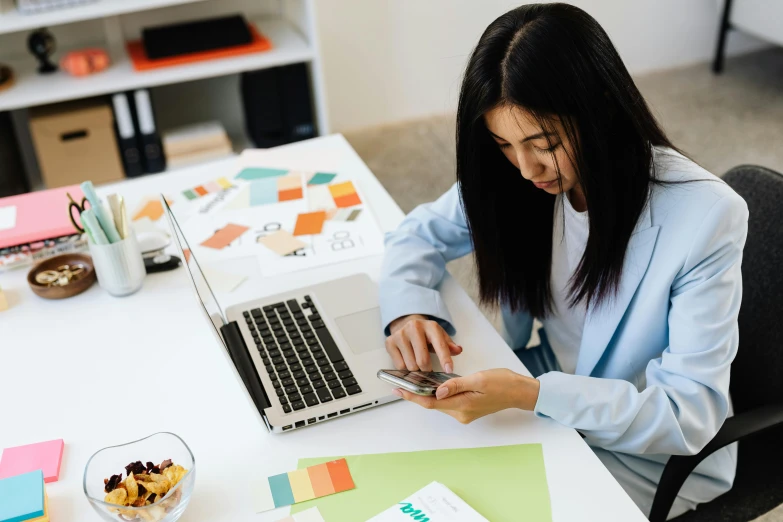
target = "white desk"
x: 66, y: 366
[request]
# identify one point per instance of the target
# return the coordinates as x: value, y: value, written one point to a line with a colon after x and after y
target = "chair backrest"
x: 757, y: 372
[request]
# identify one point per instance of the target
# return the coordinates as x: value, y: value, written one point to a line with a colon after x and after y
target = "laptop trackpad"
x: 363, y: 330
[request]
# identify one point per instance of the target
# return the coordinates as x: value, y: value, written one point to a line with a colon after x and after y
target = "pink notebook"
x: 39, y: 215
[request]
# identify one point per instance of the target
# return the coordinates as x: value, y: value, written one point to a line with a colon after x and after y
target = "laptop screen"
x: 203, y: 291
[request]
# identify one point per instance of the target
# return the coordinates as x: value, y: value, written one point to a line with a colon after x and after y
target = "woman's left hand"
x: 471, y: 397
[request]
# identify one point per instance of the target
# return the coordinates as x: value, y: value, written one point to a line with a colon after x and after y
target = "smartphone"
x: 420, y: 383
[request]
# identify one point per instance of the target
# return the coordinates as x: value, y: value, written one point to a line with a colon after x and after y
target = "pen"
x: 95, y: 232
x: 103, y: 217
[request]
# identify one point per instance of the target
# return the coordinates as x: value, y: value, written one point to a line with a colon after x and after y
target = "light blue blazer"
x: 652, y: 378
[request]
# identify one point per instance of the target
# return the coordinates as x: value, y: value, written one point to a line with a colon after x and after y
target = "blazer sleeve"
x: 416, y: 256
x: 686, y: 399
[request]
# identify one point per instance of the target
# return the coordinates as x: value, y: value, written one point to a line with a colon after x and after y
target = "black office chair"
x: 756, y: 375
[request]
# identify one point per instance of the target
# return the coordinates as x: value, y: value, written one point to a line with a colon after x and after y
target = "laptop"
x: 305, y: 356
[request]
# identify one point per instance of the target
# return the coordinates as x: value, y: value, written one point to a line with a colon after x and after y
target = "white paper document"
x: 433, y: 503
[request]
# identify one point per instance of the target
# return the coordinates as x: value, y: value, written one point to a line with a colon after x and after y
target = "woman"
x: 581, y: 213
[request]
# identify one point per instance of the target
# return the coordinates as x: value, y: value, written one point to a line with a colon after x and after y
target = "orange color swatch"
x: 289, y: 195
x: 187, y: 255
x: 153, y: 210
x: 348, y: 201
x: 341, y: 475
x: 322, y: 482
x: 201, y: 191
x: 225, y: 236
x: 310, y: 223
x: 344, y: 194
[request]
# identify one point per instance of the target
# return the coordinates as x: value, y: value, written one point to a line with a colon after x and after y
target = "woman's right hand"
x: 412, y: 339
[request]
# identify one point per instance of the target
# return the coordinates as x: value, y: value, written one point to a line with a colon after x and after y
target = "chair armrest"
x: 679, y: 467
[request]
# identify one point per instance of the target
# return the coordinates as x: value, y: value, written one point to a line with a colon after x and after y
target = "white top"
x: 564, y: 326
x: 60, y: 359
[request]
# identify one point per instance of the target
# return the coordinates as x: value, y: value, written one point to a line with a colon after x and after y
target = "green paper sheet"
x: 502, y: 483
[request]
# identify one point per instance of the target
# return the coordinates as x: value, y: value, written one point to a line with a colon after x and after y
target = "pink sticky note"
x: 45, y: 456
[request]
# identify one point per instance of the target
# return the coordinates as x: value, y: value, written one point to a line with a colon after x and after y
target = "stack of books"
x: 196, y: 143
x: 36, y: 226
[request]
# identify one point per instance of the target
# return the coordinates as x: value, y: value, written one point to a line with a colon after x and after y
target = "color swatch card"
x: 45, y: 456
x: 321, y: 178
x: 302, y: 485
x: 502, y: 483
x: 256, y: 173
x: 150, y: 208
x: 22, y: 497
x: 210, y: 187
x: 345, y: 195
x: 282, y: 243
x: 225, y: 236
x: 268, y: 191
x: 310, y: 223
x: 434, y: 502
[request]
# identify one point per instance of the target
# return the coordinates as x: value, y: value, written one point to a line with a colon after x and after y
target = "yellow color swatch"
x: 342, y: 189
x: 301, y: 486
x: 224, y: 183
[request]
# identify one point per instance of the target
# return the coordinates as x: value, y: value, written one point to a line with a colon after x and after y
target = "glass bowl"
x: 155, y: 448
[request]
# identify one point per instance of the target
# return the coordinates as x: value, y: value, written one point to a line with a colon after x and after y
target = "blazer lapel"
x: 602, y: 321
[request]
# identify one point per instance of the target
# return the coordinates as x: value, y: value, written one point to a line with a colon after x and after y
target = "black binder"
x: 126, y: 136
x: 150, y: 143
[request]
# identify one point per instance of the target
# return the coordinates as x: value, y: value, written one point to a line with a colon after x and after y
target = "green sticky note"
x: 503, y: 483
x: 321, y: 178
x: 252, y: 173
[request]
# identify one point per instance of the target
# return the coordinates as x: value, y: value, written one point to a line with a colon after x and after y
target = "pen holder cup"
x: 119, y: 266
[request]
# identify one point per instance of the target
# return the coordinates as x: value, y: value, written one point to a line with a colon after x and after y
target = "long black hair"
x: 557, y: 64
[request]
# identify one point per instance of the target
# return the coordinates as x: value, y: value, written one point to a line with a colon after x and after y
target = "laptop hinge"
x: 237, y: 349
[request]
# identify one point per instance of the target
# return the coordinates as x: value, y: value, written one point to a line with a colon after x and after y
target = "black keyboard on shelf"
x: 300, y: 355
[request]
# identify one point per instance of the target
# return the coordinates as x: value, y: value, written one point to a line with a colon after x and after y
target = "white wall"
x: 392, y: 60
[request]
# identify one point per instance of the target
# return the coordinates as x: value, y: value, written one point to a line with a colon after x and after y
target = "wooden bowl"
x: 75, y: 287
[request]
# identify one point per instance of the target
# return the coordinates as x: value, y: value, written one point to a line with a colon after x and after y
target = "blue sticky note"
x: 321, y: 178
x: 22, y: 497
x: 281, y: 490
x: 263, y: 192
x: 251, y: 173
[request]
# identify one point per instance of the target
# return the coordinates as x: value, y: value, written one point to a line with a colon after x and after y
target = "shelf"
x: 33, y: 89
x: 14, y: 21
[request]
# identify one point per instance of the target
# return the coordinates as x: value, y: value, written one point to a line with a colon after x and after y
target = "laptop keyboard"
x: 300, y: 355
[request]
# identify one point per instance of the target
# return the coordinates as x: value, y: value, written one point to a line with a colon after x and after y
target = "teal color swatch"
x: 190, y: 194
x: 281, y: 490
x: 252, y: 173
x: 321, y: 178
x: 263, y: 192
x: 22, y: 497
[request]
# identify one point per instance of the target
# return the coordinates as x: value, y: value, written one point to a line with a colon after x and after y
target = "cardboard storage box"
x: 75, y: 142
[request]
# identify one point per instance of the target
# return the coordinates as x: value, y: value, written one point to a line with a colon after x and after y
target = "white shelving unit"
x: 14, y: 21
x: 34, y: 89
x: 288, y: 24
